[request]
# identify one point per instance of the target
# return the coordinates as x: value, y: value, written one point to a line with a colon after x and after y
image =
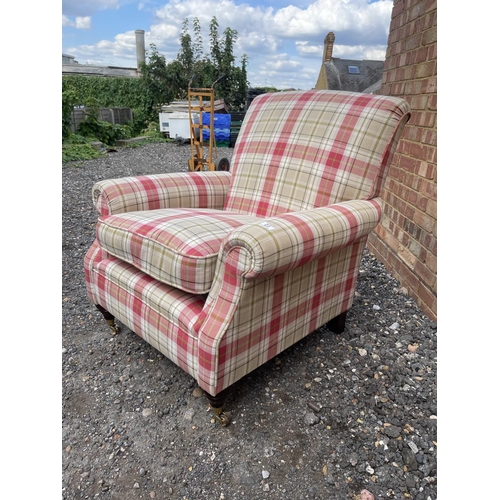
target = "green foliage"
x: 239, y: 85
x: 108, y: 92
x: 160, y: 83
x: 117, y: 92
x: 105, y: 132
x: 78, y: 152
x: 75, y: 139
x: 102, y: 131
x: 79, y: 148
x: 215, y: 44
x: 267, y: 89
x: 68, y: 99
x: 185, y: 56
x: 152, y: 131
x: 163, y: 82
x: 219, y: 63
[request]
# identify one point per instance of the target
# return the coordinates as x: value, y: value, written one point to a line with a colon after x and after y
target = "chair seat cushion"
x: 178, y: 247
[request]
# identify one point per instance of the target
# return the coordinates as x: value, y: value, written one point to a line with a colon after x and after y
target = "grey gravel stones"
x: 335, y: 417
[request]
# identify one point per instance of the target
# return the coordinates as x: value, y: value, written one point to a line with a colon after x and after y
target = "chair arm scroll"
x: 150, y: 192
x: 277, y: 244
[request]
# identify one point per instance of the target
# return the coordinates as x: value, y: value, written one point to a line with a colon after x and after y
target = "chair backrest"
x: 305, y: 149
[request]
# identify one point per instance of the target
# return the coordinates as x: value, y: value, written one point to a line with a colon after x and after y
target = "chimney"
x: 140, y: 48
x: 328, y: 49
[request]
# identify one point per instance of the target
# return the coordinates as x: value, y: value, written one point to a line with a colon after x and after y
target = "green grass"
x: 78, y: 149
x: 79, y: 152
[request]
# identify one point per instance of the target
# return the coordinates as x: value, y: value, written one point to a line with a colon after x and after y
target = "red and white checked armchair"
x: 222, y: 270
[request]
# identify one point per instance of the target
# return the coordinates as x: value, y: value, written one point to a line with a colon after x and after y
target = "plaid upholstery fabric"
x: 151, y: 192
x: 178, y: 247
x: 270, y: 251
x: 248, y: 322
x: 162, y: 315
x: 277, y: 244
x: 300, y: 150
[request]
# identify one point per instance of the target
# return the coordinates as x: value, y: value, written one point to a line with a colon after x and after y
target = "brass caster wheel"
x: 114, y: 327
x: 221, y: 416
x: 223, y: 419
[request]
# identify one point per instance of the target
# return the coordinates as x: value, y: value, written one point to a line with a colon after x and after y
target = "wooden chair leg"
x: 110, y: 319
x: 337, y: 324
x: 216, y: 405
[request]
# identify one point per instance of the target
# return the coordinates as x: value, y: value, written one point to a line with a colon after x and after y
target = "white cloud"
x: 282, y: 63
x: 83, y: 22
x: 306, y: 50
x: 282, y: 44
x: 375, y: 53
x: 258, y: 42
x: 66, y: 21
x: 332, y: 15
x: 106, y: 52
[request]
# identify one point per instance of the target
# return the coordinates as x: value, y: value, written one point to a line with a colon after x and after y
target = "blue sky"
x: 282, y: 39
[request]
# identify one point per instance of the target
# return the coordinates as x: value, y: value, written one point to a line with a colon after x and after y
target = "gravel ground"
x: 351, y: 416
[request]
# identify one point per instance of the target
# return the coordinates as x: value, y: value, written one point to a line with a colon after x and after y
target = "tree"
x: 162, y: 83
x: 215, y: 49
x: 154, y: 87
x: 198, y: 40
x: 186, y: 54
x: 220, y: 62
x: 240, y: 84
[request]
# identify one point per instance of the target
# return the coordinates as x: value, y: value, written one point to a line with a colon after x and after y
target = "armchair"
x: 221, y: 271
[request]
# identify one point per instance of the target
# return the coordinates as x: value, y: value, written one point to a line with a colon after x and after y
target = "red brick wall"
x: 406, y: 239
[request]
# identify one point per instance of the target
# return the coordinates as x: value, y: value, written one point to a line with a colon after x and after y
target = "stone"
x: 189, y: 414
x: 413, y: 447
x: 392, y: 431
x: 311, y: 418
x: 366, y: 495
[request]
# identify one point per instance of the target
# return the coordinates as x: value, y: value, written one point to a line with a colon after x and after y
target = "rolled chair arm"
x: 150, y: 192
x: 277, y: 244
